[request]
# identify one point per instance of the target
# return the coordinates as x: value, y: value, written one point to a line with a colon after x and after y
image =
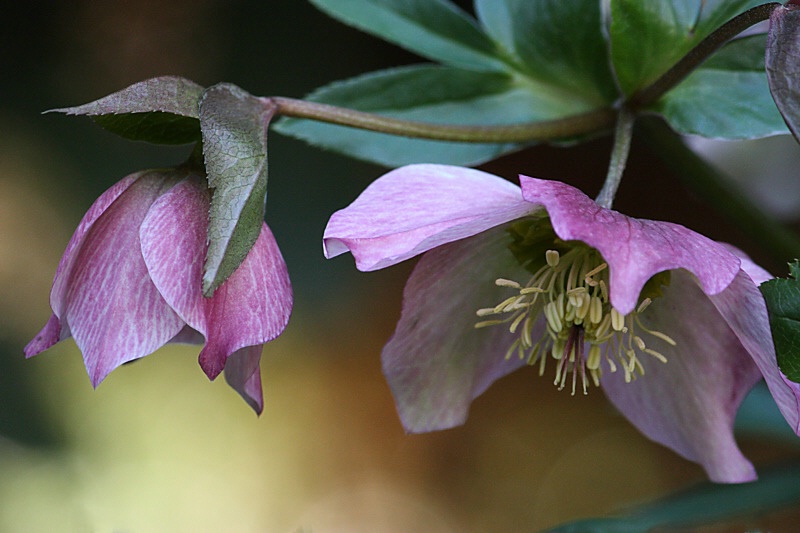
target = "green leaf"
x: 234, y: 125
x: 435, y: 94
x: 783, y: 303
x: 727, y: 97
x: 159, y: 110
x: 707, y: 503
x: 556, y: 42
x: 783, y: 64
x: 435, y: 29
x: 647, y: 38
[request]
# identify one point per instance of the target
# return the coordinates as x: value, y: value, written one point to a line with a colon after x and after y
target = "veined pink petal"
x: 743, y: 308
x: 48, y: 336
x: 109, y: 303
x: 419, y: 207
x: 745, y: 311
x: 251, y: 308
x: 756, y: 273
x: 690, y: 402
x: 67, y: 260
x: 437, y: 362
x: 635, y: 249
x: 243, y: 374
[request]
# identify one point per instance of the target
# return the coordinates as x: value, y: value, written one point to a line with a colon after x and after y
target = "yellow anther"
x: 593, y: 359
x: 639, y: 342
x: 558, y: 349
x: 583, y: 308
x: 526, y: 332
x: 595, y: 310
x: 589, y: 277
x: 560, y: 305
x: 531, y: 290
x: 499, y: 308
x: 656, y: 354
x: 551, y: 256
x: 501, y: 282
x: 551, y: 314
x: 617, y: 320
x: 515, y: 323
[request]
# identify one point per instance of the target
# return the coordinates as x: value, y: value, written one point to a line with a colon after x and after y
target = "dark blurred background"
x: 158, y: 448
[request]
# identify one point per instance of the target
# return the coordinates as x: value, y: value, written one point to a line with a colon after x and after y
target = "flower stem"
x: 589, y: 122
x: 619, y: 157
x: 718, y: 190
x: 700, y: 53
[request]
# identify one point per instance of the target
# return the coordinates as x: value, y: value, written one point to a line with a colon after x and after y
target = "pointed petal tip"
x: 97, y: 374
x: 243, y: 374
x: 47, y: 337
x: 212, y: 361
x: 333, y: 247
x: 256, y: 404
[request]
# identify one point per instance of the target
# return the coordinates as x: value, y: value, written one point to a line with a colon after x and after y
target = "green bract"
x: 783, y: 303
x: 234, y: 125
x: 159, y: 110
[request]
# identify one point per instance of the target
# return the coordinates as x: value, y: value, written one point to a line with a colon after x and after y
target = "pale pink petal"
x: 112, y: 308
x: 48, y: 336
x: 437, y: 362
x: 743, y: 308
x: 251, y: 308
x: 67, y: 260
x: 746, y: 312
x: 243, y: 374
x: 188, y: 336
x: 690, y: 402
x: 635, y: 249
x: 756, y: 273
x: 419, y: 207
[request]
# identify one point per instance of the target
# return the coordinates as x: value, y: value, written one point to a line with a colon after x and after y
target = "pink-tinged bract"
x: 437, y: 362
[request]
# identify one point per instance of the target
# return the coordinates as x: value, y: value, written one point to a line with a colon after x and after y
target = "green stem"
x: 700, y: 53
x: 590, y: 122
x: 619, y: 157
x: 713, y: 187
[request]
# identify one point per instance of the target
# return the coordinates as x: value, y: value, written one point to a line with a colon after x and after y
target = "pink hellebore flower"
x: 130, y: 282
x: 669, y: 323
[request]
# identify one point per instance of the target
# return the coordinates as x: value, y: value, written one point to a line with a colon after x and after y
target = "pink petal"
x: 251, y: 308
x: 635, y: 249
x: 437, y: 362
x: 690, y: 402
x: 419, y: 207
x: 745, y: 311
x: 48, y: 336
x: 109, y: 303
x: 67, y: 260
x: 243, y: 374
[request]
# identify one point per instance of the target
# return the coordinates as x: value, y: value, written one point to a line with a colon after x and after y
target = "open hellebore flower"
x: 130, y: 281
x: 670, y: 324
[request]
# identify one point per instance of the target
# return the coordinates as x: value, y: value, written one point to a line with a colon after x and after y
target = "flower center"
x: 571, y: 291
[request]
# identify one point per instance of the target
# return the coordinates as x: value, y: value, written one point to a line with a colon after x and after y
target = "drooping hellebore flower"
x: 130, y: 282
x: 669, y: 323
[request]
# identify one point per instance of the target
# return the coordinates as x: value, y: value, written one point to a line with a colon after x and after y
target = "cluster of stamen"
x: 571, y: 291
